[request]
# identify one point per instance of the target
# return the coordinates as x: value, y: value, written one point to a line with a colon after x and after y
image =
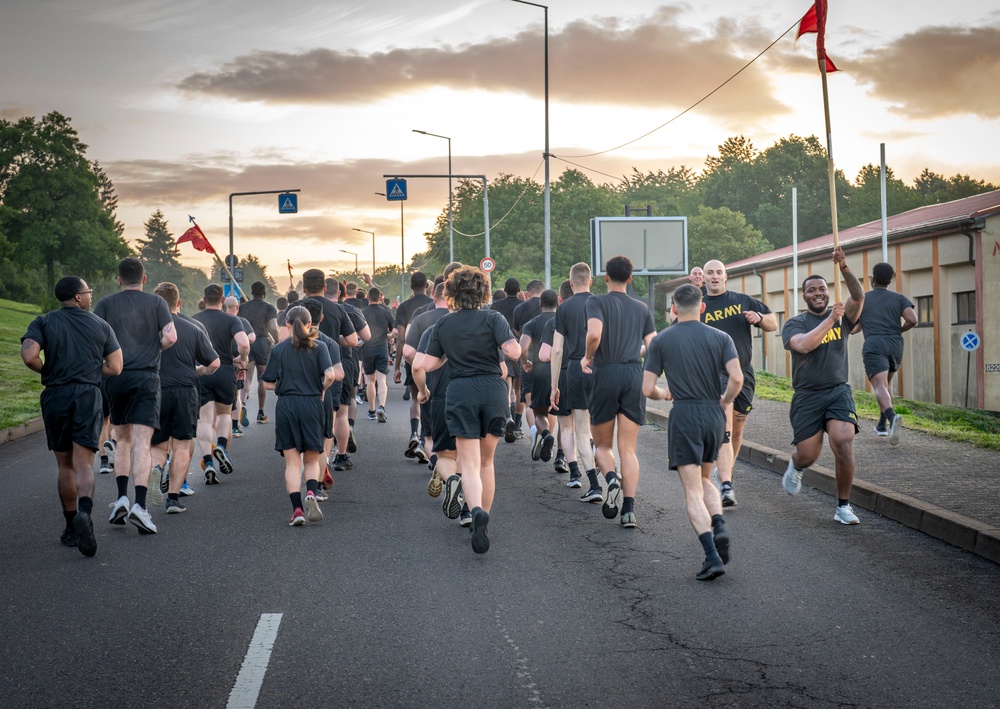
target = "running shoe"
x: 594, y: 494
x: 465, y: 517
x: 451, y: 505
x: 327, y: 478
x: 536, y: 446
x: 261, y: 417
x: 372, y: 416
x: 352, y: 442
x: 845, y: 515
x: 225, y: 462
x: 508, y: 437
x: 298, y: 518
x: 722, y: 545
x: 174, y: 507
x: 728, y: 496
x: 432, y: 463
x: 342, y: 463
x: 421, y: 455
x: 895, y: 430
x: 881, y: 431
x: 358, y: 399
x: 313, y: 512
x: 380, y: 413
x: 613, y: 501
x: 107, y: 468
x: 560, y: 465
x: 69, y: 537
x: 518, y: 433
x: 119, y: 511
x: 244, y: 419
x: 139, y: 516
x: 321, y: 495
x: 155, y: 484
x: 548, y: 443
x: 711, y: 569
x: 84, y: 528
x: 237, y: 432
x: 186, y: 490
x: 211, y: 477
x: 480, y: 540
x: 627, y: 520
x: 575, y: 482
x: 165, y: 481
x: 435, y: 484
x: 411, y: 446
x: 406, y: 393
x: 109, y: 450
x: 792, y: 479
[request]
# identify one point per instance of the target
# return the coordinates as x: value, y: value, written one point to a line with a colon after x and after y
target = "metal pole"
x: 451, y: 218
x: 402, y: 251
x: 486, y: 217
x: 795, y: 249
x: 885, y: 227
x: 968, y: 367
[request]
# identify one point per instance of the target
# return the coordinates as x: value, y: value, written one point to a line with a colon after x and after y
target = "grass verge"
x: 19, y: 386
x: 980, y: 428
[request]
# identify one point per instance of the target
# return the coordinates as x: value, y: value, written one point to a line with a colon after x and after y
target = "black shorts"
x: 425, y: 419
x: 408, y: 375
x: 695, y: 432
x: 350, y: 380
x: 218, y: 387
x: 260, y: 350
x: 178, y: 414
x: 331, y: 402
x: 574, y: 388
x: 477, y: 406
x: 513, y: 367
x: 811, y: 409
x: 376, y: 362
x: 135, y: 398
x: 72, y: 414
x: 541, y: 386
x: 881, y: 354
x: 443, y: 440
x: 526, y: 379
x: 744, y: 400
x: 298, y: 423
x: 617, y: 389
x: 105, y: 401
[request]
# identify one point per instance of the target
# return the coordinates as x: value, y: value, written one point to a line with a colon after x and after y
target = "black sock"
x: 610, y: 475
x: 559, y: 453
x: 465, y: 508
x: 312, y: 486
x: 841, y: 503
x: 296, y: 498
x: 718, y: 524
x: 574, y: 469
x: 208, y: 460
x: 414, y: 425
x: 85, y: 504
x: 104, y: 460
x: 140, y: 496
x: 122, y: 482
x: 890, y: 414
x: 512, y: 408
x: 592, y: 477
x: 175, y: 497
x: 69, y: 515
x: 517, y: 420
x: 882, y: 420
x: 708, y: 544
x: 628, y: 504
x: 222, y: 442
x: 350, y: 422
x: 543, y: 434
x: 725, y: 484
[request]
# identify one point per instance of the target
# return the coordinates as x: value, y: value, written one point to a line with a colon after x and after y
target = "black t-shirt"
x: 506, y: 307
x: 548, y: 331
x: 75, y: 343
x: 883, y: 309
x: 380, y: 322
x: 336, y: 322
x: 725, y: 312
x: 359, y: 303
x: 525, y: 313
x: 693, y: 356
x: 222, y: 329
x: 534, y: 329
x: 258, y: 312
x: 137, y: 318
x: 437, y: 381
x: 571, y: 323
x: 333, y: 347
x: 407, y: 310
x: 471, y: 339
x: 419, y: 326
x: 192, y: 348
x: 357, y: 319
x: 626, y: 320
x: 826, y: 366
x: 297, y: 372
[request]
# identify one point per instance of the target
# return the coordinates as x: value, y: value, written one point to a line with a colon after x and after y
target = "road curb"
x: 958, y: 530
x: 27, y: 428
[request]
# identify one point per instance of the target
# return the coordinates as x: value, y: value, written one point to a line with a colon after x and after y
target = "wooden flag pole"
x: 832, y: 175
x: 232, y: 279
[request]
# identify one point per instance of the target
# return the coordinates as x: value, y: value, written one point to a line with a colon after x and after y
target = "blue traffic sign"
x: 395, y: 190
x: 288, y: 203
x: 970, y: 342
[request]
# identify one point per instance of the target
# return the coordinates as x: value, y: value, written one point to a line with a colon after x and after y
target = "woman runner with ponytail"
x: 299, y: 372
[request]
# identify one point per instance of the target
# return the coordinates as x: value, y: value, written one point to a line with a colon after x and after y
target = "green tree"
x: 253, y: 270
x: 724, y: 235
x: 865, y: 199
x: 672, y: 193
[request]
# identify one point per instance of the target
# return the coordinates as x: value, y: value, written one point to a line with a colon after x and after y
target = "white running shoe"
x: 313, y: 512
x: 845, y: 515
x: 792, y: 479
x: 895, y: 430
x: 139, y: 516
x: 119, y: 510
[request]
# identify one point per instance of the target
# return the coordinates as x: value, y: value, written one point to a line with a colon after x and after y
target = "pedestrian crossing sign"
x: 288, y: 203
x: 395, y: 190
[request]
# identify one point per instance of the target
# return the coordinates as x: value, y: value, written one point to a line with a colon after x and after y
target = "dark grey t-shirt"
x: 75, y: 343
x: 534, y: 329
x: 626, y: 320
x: 408, y: 309
x: 826, y: 366
x: 335, y: 319
x: 192, y: 348
x: 258, y: 312
x: 380, y: 322
x: 419, y: 326
x: 222, y: 328
x: 506, y: 307
x: 297, y: 372
x: 725, y: 312
x: 883, y: 309
x: 471, y: 339
x: 525, y: 313
x: 357, y: 318
x: 137, y: 318
x: 571, y: 323
x: 693, y: 356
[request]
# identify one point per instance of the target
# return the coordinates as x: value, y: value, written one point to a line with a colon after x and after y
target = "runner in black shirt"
x: 404, y: 313
x: 291, y: 299
x: 823, y: 401
x: 79, y: 348
x: 692, y: 355
x: 414, y: 331
x: 349, y: 388
x: 506, y: 307
x: 537, y: 372
x: 523, y: 314
x: 143, y: 325
x: 218, y: 391
x: 239, y: 412
x: 474, y: 342
x: 375, y: 353
x: 883, y: 347
x: 264, y: 318
x: 618, y: 327
x: 180, y: 399
x: 331, y: 398
x: 570, y: 394
x: 736, y: 314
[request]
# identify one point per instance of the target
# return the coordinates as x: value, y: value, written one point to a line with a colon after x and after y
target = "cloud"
x: 13, y: 112
x: 936, y: 72
x: 655, y: 62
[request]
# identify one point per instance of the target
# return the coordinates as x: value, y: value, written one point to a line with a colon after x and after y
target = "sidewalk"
x: 945, y: 489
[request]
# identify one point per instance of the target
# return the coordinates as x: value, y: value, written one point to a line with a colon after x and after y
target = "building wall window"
x: 965, y: 307
x: 925, y: 310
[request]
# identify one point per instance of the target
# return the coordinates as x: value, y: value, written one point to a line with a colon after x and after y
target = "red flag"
x: 197, y: 238
x: 815, y: 21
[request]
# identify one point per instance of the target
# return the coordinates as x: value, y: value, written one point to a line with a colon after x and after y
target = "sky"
x: 185, y: 102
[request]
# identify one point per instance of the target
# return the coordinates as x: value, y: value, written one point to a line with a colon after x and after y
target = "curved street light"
x: 451, y: 220
x: 355, y: 258
x: 365, y: 231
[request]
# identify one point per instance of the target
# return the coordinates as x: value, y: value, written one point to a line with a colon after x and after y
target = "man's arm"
x: 510, y: 349
x: 272, y: 330
x: 852, y: 308
x: 31, y: 355
x: 595, y: 329
x: 909, y: 320
x: 113, y: 364
x: 555, y: 363
x: 651, y: 390
x: 735, y: 382
x: 806, y: 342
x: 203, y: 370
x: 243, y: 347
x: 168, y: 336
x: 397, y: 376
x: 525, y: 343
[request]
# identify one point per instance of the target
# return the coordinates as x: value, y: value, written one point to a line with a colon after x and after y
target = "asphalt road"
x: 384, y: 604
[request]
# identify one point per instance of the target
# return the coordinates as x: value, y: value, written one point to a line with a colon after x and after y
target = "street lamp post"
x: 244, y: 194
x: 355, y: 258
x: 365, y: 231
x: 402, y: 252
x: 451, y: 219
x: 548, y: 211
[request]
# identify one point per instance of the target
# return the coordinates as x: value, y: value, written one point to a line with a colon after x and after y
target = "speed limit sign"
x: 487, y: 265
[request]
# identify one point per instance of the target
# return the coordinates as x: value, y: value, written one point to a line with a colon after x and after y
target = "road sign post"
x: 288, y: 203
x: 487, y: 265
x: 970, y: 343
